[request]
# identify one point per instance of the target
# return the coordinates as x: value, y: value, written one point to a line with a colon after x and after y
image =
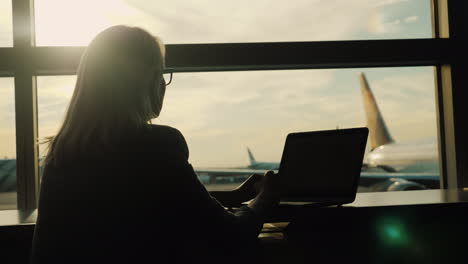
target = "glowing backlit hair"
x: 119, y: 88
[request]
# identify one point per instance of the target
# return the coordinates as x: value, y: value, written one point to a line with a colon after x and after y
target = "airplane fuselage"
x: 421, y: 157
x: 264, y: 166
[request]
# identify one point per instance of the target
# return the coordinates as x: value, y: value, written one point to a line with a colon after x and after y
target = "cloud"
x: 390, y: 2
x: 208, y: 21
x: 232, y: 21
x: 411, y: 19
x: 377, y: 24
x: 237, y: 91
x: 236, y: 109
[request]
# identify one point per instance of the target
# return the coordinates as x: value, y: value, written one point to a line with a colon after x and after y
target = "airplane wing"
x: 405, y: 175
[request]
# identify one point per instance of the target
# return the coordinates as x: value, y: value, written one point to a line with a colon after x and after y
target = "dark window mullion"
x: 263, y: 56
x: 25, y: 105
x: 452, y: 24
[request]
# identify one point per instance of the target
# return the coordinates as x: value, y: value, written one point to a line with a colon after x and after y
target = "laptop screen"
x: 323, y: 165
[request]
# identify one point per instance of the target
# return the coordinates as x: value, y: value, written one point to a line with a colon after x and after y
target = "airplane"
x: 261, y: 165
x: 385, y: 152
x: 403, y: 166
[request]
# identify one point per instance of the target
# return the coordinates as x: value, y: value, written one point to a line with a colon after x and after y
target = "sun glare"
x: 75, y: 22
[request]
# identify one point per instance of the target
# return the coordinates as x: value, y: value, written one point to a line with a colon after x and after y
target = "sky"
x: 223, y: 113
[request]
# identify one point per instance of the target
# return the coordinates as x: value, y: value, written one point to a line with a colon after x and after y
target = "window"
x: 61, y: 23
x: 230, y: 112
x: 6, y: 24
x: 7, y: 145
x: 397, y: 33
x: 257, y: 109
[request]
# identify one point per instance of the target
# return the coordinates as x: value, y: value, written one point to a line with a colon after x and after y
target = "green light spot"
x: 393, y: 232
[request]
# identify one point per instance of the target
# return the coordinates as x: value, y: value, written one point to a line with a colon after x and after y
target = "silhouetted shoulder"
x: 171, y: 139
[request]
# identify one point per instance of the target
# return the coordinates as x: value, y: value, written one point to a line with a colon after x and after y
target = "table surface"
x: 28, y: 217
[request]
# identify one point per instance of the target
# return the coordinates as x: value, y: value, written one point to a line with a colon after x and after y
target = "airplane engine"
x: 397, y: 184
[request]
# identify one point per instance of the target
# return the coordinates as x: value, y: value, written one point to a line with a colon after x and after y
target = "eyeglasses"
x: 167, y: 76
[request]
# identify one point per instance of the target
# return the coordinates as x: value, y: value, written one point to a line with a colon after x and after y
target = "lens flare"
x: 392, y: 232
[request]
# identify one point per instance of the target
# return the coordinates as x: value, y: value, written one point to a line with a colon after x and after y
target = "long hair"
x: 119, y: 89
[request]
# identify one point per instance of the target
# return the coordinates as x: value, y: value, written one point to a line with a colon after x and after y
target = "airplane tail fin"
x: 379, y: 134
x: 251, y: 157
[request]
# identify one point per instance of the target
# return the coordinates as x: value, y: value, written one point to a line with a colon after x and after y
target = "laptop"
x: 322, y: 167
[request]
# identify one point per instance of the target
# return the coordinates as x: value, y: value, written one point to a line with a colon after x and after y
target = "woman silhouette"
x: 116, y: 188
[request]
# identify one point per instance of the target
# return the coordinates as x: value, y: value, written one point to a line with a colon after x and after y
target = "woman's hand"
x: 268, y: 196
x: 249, y: 188
x: 269, y: 187
x: 245, y: 192
x: 263, y: 189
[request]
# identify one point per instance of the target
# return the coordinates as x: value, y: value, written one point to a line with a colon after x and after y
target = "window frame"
x: 24, y: 61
